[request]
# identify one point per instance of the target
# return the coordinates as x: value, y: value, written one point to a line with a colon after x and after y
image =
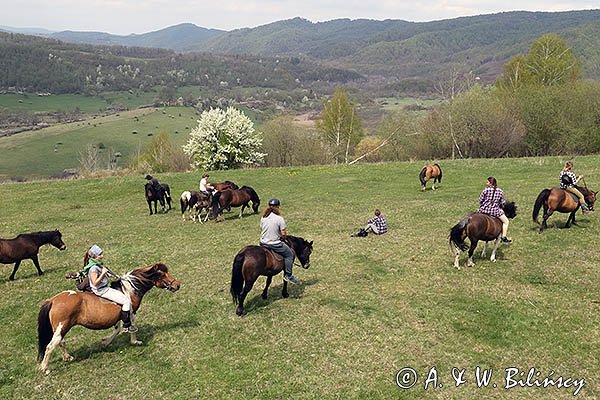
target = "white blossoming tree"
x: 224, y: 139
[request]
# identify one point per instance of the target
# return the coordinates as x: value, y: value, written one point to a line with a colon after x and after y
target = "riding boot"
x: 584, y: 209
x: 126, y: 318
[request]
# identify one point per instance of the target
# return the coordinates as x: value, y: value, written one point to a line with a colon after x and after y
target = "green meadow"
x: 366, y: 308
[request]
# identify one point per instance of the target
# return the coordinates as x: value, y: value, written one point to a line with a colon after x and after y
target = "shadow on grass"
x: 295, y: 291
x: 558, y: 224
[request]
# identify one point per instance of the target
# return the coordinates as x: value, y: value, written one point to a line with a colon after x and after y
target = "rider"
x: 98, y: 275
x: 153, y: 181
x: 273, y: 233
x: 377, y: 224
x: 568, y: 180
x: 205, y: 187
x: 491, y: 201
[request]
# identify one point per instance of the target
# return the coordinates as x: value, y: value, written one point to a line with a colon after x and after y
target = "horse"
x: 478, y: 226
x: 26, y: 246
x: 67, y: 309
x: 253, y: 261
x: 224, y: 185
x: 152, y: 195
x: 234, y: 198
x: 195, y: 202
x: 430, y: 171
x: 560, y: 200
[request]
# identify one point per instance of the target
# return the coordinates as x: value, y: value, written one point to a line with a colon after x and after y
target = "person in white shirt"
x: 205, y: 187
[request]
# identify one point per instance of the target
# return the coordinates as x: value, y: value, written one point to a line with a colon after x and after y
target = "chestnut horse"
x: 560, y: 200
x: 67, y: 309
x: 430, y: 171
x: 195, y: 202
x: 26, y: 246
x: 478, y: 226
x: 224, y: 185
x: 235, y: 198
x: 253, y: 261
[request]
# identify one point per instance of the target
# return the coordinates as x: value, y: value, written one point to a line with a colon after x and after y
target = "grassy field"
x: 395, y: 104
x: 366, y: 308
x: 32, y: 154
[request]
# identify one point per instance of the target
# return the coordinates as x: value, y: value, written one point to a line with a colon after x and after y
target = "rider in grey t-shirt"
x: 273, y: 227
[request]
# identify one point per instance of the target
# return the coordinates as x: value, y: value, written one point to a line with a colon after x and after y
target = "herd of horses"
x: 67, y: 309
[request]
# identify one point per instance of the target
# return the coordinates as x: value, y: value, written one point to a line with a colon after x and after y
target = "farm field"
x: 32, y: 155
x: 367, y: 307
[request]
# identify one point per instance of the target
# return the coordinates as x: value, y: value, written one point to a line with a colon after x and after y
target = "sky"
x: 139, y: 16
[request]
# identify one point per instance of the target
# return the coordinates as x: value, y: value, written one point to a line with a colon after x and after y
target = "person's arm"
x: 580, y: 177
x: 96, y: 278
x: 482, y: 197
x: 502, y: 199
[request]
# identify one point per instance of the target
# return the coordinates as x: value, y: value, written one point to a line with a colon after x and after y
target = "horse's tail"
x: 253, y: 196
x: 215, y: 202
x: 539, y: 202
x: 237, y: 279
x: 167, y: 190
x: 422, y: 176
x: 45, y: 332
x: 456, y: 236
x: 439, y: 178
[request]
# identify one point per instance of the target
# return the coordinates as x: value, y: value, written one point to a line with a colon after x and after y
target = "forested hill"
x: 416, y: 50
x: 39, y: 64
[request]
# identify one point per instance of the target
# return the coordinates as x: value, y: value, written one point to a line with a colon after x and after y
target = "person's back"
x: 272, y: 234
x: 271, y: 227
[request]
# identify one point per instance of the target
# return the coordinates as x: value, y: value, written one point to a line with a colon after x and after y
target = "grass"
x: 366, y: 308
x: 396, y: 104
x: 39, y: 154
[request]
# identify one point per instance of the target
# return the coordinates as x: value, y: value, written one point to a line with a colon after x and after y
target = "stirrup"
x: 129, y: 329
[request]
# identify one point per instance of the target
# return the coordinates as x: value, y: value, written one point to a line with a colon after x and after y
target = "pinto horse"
x: 430, y: 171
x: 253, y: 261
x: 560, y: 200
x: 152, y: 195
x: 224, y: 185
x: 234, y: 198
x: 195, y: 202
x: 26, y: 246
x: 478, y: 226
x: 65, y: 310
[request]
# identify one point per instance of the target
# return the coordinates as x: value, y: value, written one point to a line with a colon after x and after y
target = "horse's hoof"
x: 493, y: 260
x: 40, y: 273
x: 68, y: 358
x: 239, y: 312
x: 285, y: 295
x: 12, y: 278
x: 137, y: 342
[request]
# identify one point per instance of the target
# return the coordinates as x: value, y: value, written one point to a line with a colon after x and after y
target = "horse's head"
x: 56, y: 240
x: 159, y: 275
x: 149, y: 188
x: 510, y: 209
x: 590, y: 199
x: 303, y: 250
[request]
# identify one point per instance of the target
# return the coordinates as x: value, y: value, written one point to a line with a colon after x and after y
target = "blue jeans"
x: 283, y: 250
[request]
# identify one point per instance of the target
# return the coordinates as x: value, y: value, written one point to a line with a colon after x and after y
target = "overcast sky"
x: 139, y: 16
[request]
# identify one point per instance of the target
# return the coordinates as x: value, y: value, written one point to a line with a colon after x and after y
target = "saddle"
x: 275, y: 255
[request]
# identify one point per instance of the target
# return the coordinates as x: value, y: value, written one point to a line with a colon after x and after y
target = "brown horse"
x: 195, y: 202
x: 224, y: 186
x: 476, y: 227
x: 234, y: 198
x: 254, y: 261
x: 26, y: 246
x: 430, y: 171
x: 67, y: 309
x: 560, y: 200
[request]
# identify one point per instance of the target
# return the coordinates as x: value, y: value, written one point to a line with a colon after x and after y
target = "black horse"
x: 234, y: 198
x: 161, y: 195
x: 253, y: 261
x: 26, y: 246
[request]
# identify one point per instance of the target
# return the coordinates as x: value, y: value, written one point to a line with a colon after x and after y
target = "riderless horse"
x: 195, y: 202
x: 234, y: 198
x: 26, y: 246
x: 430, y: 171
x: 560, y: 200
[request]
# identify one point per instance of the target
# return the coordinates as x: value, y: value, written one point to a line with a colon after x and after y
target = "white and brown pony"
x: 195, y: 202
x: 430, y: 171
x: 65, y: 310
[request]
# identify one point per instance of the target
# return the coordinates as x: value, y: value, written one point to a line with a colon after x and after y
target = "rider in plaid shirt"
x: 377, y: 224
x: 491, y: 201
x: 568, y: 180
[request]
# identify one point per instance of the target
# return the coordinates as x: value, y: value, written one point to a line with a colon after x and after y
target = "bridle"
x: 168, y: 285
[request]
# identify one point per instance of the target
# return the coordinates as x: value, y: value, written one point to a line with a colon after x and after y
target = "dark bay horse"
x: 26, y: 246
x: 67, y: 309
x: 560, y: 200
x: 254, y: 261
x: 162, y: 195
x: 195, y: 202
x: 430, y: 171
x: 224, y: 185
x: 476, y: 227
x: 235, y: 198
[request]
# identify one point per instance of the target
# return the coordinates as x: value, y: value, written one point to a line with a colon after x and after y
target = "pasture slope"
x: 366, y: 308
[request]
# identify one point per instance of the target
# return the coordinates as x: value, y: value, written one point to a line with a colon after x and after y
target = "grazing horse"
x: 430, y: 171
x: 26, y: 246
x: 224, y: 185
x: 234, y: 198
x: 560, y: 200
x: 253, y: 261
x: 195, y: 202
x: 67, y: 309
x: 478, y: 226
x: 152, y: 195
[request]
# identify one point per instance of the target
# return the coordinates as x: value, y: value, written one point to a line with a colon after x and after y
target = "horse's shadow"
x: 580, y: 223
x: 295, y: 291
x: 233, y: 216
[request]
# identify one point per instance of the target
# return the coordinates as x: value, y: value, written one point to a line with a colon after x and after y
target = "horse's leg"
x: 108, y: 339
x: 546, y: 216
x: 242, y: 209
x: 37, y: 264
x: 485, y: 247
x: 496, y: 243
x: 470, y: 262
x: 133, y: 335
x: 247, y: 288
x: 284, y: 292
x: 12, y: 276
x: 571, y: 218
x: 457, y: 255
x: 65, y: 354
x: 433, y: 186
x: 264, y: 293
x: 56, y: 339
x: 150, y: 205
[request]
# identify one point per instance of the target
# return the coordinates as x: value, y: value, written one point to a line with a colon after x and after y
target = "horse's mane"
x: 46, y: 235
x: 139, y: 281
